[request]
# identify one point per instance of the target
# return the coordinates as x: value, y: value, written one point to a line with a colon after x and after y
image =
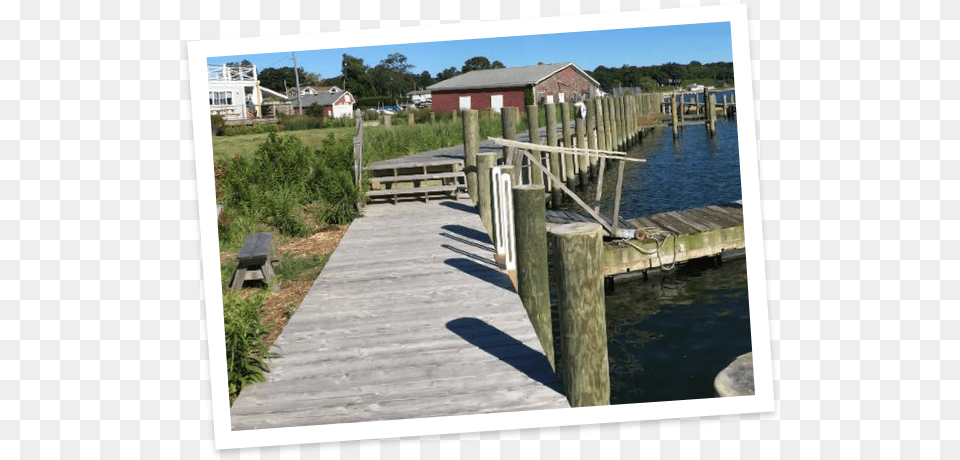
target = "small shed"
x: 498, y: 88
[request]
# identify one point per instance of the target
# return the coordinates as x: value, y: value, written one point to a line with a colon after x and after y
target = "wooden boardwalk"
x: 410, y: 318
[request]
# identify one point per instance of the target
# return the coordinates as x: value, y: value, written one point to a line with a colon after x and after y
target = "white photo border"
x: 761, y: 401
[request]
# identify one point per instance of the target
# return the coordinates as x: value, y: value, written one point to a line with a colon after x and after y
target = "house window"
x: 464, y: 102
x: 560, y: 98
x: 221, y: 98
x: 496, y: 102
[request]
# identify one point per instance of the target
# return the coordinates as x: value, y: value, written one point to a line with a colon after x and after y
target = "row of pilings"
x: 679, y: 106
x: 515, y: 219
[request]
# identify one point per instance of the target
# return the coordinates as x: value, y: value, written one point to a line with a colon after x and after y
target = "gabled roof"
x: 323, y: 98
x: 505, y: 78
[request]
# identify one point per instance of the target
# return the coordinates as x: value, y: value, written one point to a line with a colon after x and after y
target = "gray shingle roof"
x: 503, y: 78
x: 323, y: 98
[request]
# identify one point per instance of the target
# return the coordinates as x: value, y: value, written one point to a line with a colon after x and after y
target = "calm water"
x: 669, y: 336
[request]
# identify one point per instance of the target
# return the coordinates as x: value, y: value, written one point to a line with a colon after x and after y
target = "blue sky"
x: 708, y: 42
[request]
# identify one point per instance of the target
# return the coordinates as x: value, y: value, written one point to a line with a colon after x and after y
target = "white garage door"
x: 464, y: 102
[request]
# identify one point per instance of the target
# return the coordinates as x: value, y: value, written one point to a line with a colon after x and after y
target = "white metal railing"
x: 505, y: 239
x: 223, y: 72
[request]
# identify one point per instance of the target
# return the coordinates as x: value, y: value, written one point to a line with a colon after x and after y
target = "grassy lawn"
x: 225, y: 146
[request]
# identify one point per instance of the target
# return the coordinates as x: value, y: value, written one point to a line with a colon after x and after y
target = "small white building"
x: 227, y: 86
x: 419, y: 98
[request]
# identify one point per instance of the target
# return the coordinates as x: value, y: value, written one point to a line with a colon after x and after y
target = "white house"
x: 227, y: 86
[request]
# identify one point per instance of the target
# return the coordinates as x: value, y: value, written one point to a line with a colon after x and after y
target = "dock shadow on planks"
x: 481, y: 272
x: 459, y: 206
x: 467, y: 232
x: 502, y: 346
x: 467, y: 242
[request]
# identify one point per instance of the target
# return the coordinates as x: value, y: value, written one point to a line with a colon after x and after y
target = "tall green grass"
x: 385, y: 143
x: 287, y: 187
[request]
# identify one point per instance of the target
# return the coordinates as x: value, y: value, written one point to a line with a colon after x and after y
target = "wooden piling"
x: 471, y: 147
x: 592, y: 133
x: 583, y: 163
x: 624, y: 123
x: 388, y: 120
x: 608, y: 128
x: 578, y: 266
x: 433, y: 118
x: 453, y: 116
x: 601, y: 136
x: 508, y: 122
x: 683, y: 106
x: 533, y: 123
x: 533, y: 284
x: 551, y: 112
x: 486, y: 161
x: 410, y: 119
x: 708, y: 112
x: 565, y: 109
x: 570, y: 174
x: 673, y: 116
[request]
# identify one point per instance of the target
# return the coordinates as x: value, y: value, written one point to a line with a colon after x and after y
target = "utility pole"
x: 296, y: 74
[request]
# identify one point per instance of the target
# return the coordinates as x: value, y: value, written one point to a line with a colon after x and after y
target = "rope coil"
x: 658, y: 235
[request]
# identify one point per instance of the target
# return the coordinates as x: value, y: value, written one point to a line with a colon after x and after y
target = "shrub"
x: 217, y: 123
x: 299, y: 122
x: 284, y: 177
x: 244, y: 330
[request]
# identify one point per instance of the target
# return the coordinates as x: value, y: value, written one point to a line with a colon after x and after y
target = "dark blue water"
x: 670, y: 335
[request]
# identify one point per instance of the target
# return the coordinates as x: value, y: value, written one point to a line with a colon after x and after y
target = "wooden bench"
x: 416, y: 179
x: 256, y: 260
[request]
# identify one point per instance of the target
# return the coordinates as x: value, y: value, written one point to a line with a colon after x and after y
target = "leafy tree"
x: 284, y: 77
x: 425, y: 80
x: 480, y: 63
x: 447, y: 74
x: 356, y: 75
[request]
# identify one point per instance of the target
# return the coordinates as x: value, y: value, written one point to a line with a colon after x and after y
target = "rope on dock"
x: 653, y: 233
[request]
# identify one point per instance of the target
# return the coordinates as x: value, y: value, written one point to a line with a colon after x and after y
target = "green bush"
x: 217, y: 124
x: 284, y: 182
x: 299, y: 122
x: 374, y: 101
x: 244, y: 330
x: 258, y: 128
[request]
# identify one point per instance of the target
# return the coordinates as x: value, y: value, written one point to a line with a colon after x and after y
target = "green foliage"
x: 480, y: 63
x: 528, y: 97
x: 217, y: 124
x: 244, y: 330
x: 668, y: 74
x: 238, y: 130
x: 302, y: 267
x: 371, y: 102
x: 315, y: 110
x: 299, y: 122
x: 283, y: 183
x: 274, y: 78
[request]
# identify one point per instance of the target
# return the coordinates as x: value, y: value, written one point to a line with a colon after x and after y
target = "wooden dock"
x: 700, y: 232
x: 410, y: 318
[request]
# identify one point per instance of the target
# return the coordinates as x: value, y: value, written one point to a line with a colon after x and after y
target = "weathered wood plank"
x: 409, y: 318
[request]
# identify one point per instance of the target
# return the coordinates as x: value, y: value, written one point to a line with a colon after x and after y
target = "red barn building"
x: 497, y: 88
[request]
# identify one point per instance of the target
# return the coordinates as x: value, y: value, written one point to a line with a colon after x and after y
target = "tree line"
x: 670, y: 74
x: 392, y: 77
